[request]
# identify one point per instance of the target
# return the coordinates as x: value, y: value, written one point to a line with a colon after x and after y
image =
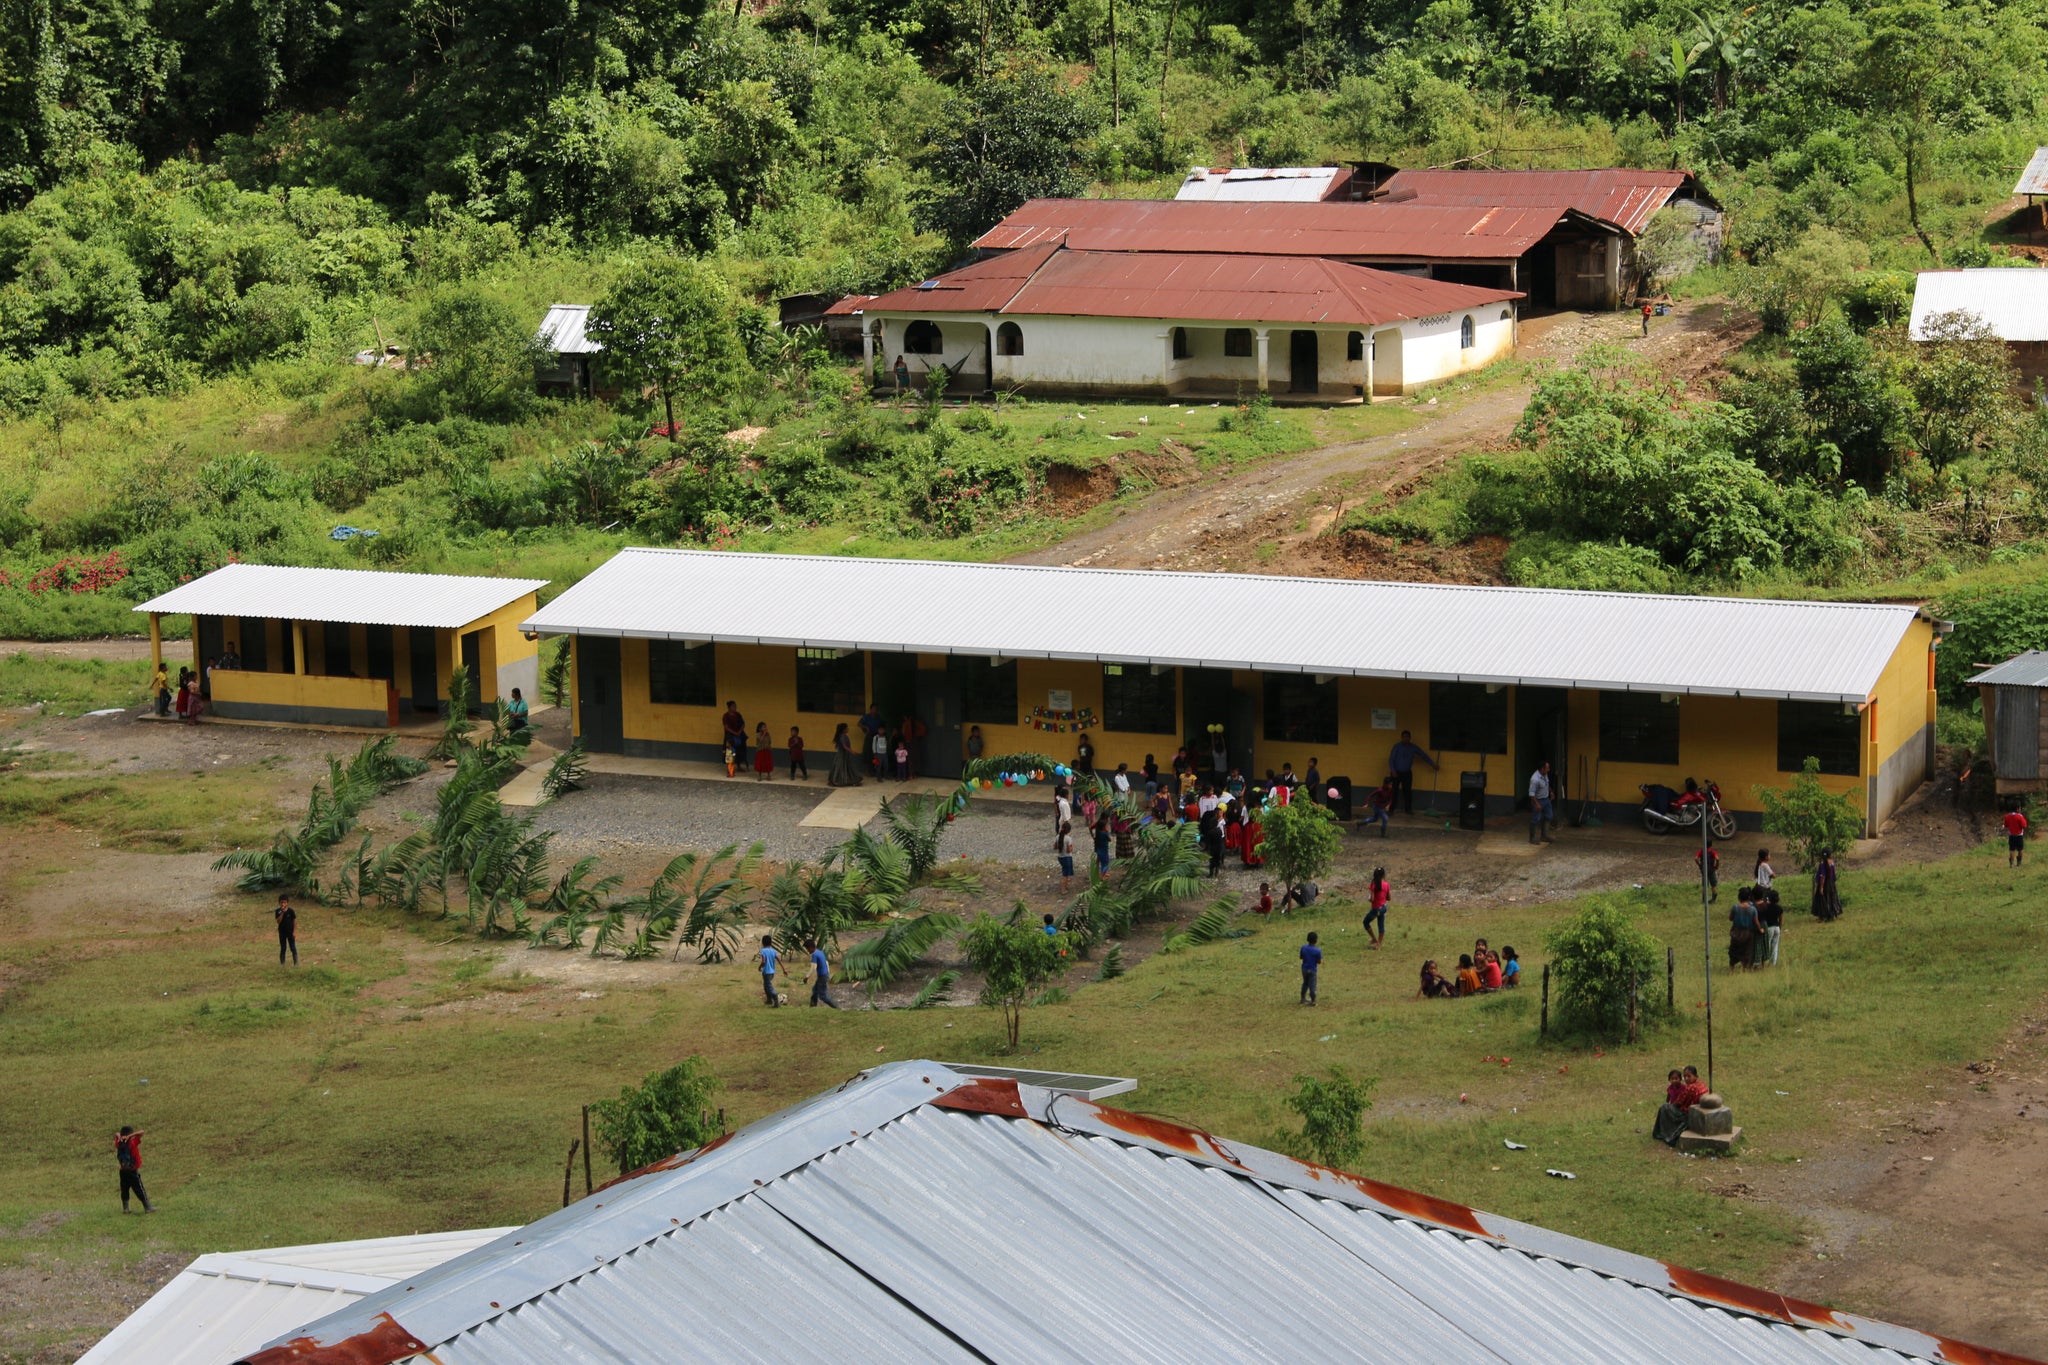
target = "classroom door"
x: 892, y: 684
x: 472, y: 659
x: 1542, y: 715
x: 597, y: 694
x: 1303, y: 366
x: 425, y: 663
x: 938, y: 708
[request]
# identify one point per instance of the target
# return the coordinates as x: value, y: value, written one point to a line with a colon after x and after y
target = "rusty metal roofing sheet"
x: 2022, y: 670
x: 2011, y: 300
x: 1343, y: 230
x: 1448, y: 632
x: 1174, y: 286
x: 981, y: 287
x: 356, y: 596
x: 918, y: 1214
x: 1627, y: 198
x: 2034, y: 179
x: 850, y: 305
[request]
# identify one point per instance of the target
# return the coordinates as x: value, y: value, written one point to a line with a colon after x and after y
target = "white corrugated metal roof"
x: 222, y: 1305
x: 915, y: 1214
x: 2034, y: 179
x: 1269, y: 184
x: 2022, y: 670
x: 2013, y: 302
x: 561, y: 331
x: 1820, y: 651
x: 355, y: 596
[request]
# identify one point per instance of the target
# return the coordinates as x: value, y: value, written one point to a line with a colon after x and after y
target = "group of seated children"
x: 1480, y: 972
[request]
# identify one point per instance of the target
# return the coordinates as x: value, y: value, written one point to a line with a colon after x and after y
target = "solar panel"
x: 1064, y: 1082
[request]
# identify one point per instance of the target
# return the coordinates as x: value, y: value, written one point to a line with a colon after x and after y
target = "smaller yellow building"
x: 350, y: 646
x: 1614, y: 690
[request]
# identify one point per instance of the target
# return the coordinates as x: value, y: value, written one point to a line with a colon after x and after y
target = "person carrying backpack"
x: 128, y: 1157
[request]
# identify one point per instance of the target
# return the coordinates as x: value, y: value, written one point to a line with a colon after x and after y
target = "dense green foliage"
x: 667, y: 1113
x: 1332, y: 1112
x: 1599, y: 958
x: 1015, y: 959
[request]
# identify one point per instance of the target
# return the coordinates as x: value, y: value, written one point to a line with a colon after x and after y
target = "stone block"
x: 1710, y: 1144
x: 1710, y: 1121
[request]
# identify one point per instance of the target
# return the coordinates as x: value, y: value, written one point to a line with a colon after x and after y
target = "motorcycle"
x: 1665, y: 810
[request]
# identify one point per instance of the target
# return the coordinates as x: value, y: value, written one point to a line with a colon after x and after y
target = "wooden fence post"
x: 586, y: 1149
x: 1543, y: 1028
x: 569, y: 1170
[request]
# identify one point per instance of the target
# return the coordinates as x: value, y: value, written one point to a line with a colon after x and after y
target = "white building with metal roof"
x: 352, y: 647
x: 567, y: 349
x: 2010, y: 301
x: 1615, y: 690
x: 916, y: 1213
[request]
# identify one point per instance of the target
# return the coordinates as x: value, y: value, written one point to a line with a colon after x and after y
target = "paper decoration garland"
x: 1061, y: 722
x: 1060, y: 773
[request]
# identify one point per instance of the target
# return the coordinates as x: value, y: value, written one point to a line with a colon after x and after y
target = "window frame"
x: 1132, y: 715
x: 1182, y: 350
x: 1239, y: 336
x: 980, y: 704
x: 911, y: 333
x: 1455, y: 699
x: 1354, y: 345
x: 808, y: 664
x: 1468, y: 333
x: 1797, y: 746
x: 694, y: 680
x: 1318, y: 702
x: 1627, y: 722
x: 1009, y: 339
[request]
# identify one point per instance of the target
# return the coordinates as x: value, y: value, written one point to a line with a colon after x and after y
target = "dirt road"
x: 1271, y: 517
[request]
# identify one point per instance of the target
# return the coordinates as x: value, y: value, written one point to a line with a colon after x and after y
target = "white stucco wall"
x: 1134, y: 355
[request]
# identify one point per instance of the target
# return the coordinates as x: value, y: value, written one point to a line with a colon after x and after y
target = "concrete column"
x: 1166, y: 368
x: 156, y: 641
x: 867, y: 356
x: 298, y: 647
x: 1368, y: 366
x: 1261, y: 334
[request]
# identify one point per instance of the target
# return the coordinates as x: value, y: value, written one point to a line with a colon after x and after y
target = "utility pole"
x: 1707, y: 939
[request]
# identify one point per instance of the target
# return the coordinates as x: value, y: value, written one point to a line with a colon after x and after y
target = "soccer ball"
x: 781, y: 999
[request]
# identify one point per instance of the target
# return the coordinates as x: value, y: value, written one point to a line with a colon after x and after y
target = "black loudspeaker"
x: 1471, y: 800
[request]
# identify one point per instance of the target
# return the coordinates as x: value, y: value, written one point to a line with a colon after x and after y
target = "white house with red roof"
x: 1049, y: 319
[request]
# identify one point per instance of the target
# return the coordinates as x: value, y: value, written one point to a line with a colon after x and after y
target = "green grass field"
x: 408, y: 1078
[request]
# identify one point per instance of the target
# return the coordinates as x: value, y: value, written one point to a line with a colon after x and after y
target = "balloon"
x: 1333, y: 793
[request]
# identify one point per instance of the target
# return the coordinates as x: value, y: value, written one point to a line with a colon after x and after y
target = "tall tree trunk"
x: 668, y: 408
x: 1912, y: 149
x: 1166, y: 63
x: 1115, y: 116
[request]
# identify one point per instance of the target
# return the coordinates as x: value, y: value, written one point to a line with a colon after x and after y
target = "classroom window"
x: 1824, y: 730
x: 678, y: 675
x: 1354, y: 346
x: 1465, y: 333
x: 1638, y: 727
x: 1300, y: 710
x: 1466, y: 718
x: 1237, y: 341
x: 923, y: 338
x: 988, y: 692
x: 1009, y: 339
x: 1180, y: 344
x: 1137, y: 700
x: 829, y: 683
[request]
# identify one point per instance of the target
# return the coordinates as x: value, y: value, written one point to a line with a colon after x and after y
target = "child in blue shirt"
x: 1311, y: 963
x: 1510, y: 968
x: 766, y: 957
x: 821, y: 977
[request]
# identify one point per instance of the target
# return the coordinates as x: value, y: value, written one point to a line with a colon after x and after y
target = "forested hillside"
x: 209, y: 208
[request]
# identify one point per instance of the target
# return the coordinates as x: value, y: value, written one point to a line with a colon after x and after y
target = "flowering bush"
x: 73, y: 573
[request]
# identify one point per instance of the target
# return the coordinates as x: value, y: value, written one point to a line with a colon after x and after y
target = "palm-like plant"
x: 456, y: 724
x: 567, y: 772
x: 878, y: 961
x: 576, y: 898
x: 916, y: 823
x: 1163, y: 869
x: 809, y: 901
x: 706, y: 912
x: 1212, y: 924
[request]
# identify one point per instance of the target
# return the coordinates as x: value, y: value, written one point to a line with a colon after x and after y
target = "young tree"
x: 668, y: 324
x: 476, y: 352
x: 1301, y: 842
x: 1597, y: 956
x: 665, y: 1114
x: 1913, y: 72
x: 1332, y: 1108
x: 1015, y: 141
x: 1015, y: 960
x: 1960, y: 376
x: 1809, y: 817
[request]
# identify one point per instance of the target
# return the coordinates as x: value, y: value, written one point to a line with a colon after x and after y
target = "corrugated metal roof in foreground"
x: 2022, y: 670
x: 1826, y: 651
x: 2034, y: 179
x: 222, y: 1305
x: 355, y: 596
x: 916, y: 1214
x: 561, y: 331
x: 2012, y: 301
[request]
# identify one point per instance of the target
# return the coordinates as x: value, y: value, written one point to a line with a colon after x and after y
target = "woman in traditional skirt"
x: 844, y: 772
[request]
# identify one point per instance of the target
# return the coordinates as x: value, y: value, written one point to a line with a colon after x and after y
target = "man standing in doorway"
x: 1542, y: 818
x: 735, y: 734
x: 1401, y: 763
x: 128, y: 1156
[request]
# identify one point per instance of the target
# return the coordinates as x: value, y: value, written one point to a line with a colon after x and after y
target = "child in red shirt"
x: 1265, y: 899
x: 2015, y: 838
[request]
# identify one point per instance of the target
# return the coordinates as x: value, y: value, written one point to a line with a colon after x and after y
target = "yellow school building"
x: 1613, y: 689
x: 350, y: 646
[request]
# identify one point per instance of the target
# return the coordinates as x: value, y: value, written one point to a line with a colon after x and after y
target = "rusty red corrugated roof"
x: 983, y: 287
x: 1358, y: 231
x: 1195, y: 287
x: 1627, y: 198
x: 851, y: 304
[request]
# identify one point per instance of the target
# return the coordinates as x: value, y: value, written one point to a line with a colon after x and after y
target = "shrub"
x: 478, y: 353
x: 1809, y: 817
x: 1301, y: 842
x: 1014, y: 960
x: 1332, y: 1109
x: 663, y: 1115
x: 1596, y: 957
